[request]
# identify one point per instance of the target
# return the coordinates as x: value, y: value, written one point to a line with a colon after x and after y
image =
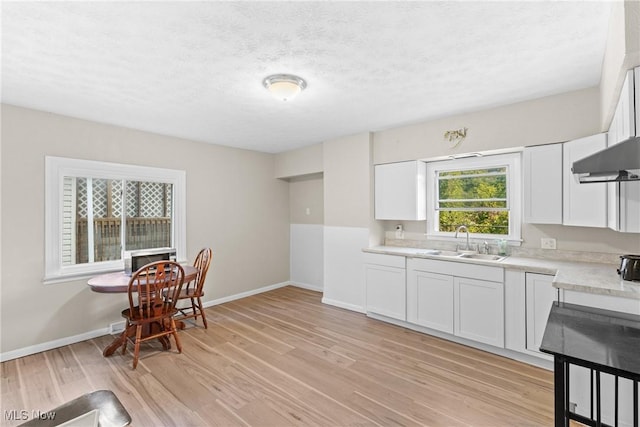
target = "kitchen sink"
x: 462, y: 255
x: 485, y: 257
x: 447, y: 253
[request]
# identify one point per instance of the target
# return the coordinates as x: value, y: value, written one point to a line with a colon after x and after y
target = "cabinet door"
x: 479, y: 310
x: 400, y: 191
x: 540, y: 295
x: 623, y: 205
x: 613, y: 188
x: 583, y: 204
x: 430, y: 300
x: 637, y: 98
x: 386, y: 291
x: 543, y: 184
x: 625, y: 111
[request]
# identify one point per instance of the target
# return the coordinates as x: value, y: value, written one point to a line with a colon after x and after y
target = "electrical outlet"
x: 548, y: 243
x: 117, y: 327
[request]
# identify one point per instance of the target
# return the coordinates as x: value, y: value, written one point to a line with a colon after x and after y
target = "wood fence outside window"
x: 141, y: 233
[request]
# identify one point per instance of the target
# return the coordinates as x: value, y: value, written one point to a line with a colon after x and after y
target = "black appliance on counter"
x: 630, y: 267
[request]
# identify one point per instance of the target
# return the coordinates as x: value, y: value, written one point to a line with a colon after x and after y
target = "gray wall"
x: 306, y: 192
x: 234, y: 205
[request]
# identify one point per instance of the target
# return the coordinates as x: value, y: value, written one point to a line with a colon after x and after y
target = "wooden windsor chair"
x: 193, y: 290
x: 153, y: 292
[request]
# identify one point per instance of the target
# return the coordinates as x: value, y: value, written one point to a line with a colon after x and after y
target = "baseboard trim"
x: 344, y: 305
x: 504, y: 352
x: 38, y: 348
x: 49, y: 345
x: 245, y: 294
x: 307, y: 286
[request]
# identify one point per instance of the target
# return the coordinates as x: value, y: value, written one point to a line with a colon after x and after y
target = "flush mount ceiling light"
x: 284, y: 86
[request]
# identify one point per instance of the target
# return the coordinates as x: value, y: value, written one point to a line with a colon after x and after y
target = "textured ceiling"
x: 194, y: 69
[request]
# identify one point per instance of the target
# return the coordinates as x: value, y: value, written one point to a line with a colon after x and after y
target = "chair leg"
x: 204, y: 319
x: 125, y: 338
x: 174, y: 330
x: 193, y: 310
x: 136, y: 352
x: 164, y: 340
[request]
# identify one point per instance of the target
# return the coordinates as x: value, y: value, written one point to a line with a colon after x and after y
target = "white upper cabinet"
x: 400, y: 191
x: 623, y: 200
x: 543, y: 184
x: 637, y: 106
x: 584, y: 205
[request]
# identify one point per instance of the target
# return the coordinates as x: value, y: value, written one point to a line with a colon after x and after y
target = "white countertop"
x: 587, y: 277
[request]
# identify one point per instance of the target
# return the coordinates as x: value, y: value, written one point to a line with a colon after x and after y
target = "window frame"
x: 56, y: 168
x: 512, y: 161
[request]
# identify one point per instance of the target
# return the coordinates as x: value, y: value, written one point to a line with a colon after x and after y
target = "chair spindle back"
x: 152, y: 286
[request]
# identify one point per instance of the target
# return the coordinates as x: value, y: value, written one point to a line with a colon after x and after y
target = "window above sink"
x: 481, y: 193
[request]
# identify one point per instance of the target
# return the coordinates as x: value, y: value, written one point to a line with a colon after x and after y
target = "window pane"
x: 458, y: 173
x: 106, y: 219
x: 476, y: 222
x: 149, y: 215
x: 474, y: 204
x: 91, y: 226
x: 476, y: 198
x: 472, y: 187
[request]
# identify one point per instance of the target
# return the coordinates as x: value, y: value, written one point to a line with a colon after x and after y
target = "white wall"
x: 347, y: 210
x: 302, y: 161
x: 234, y: 205
x: 622, y: 53
x: 306, y: 213
x: 307, y: 256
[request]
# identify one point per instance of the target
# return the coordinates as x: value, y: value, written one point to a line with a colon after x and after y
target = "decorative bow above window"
x: 455, y: 136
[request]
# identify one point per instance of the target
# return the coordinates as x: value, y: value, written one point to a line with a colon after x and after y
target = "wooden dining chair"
x: 193, y: 290
x: 153, y: 292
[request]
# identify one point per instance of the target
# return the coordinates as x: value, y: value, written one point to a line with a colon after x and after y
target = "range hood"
x: 618, y: 163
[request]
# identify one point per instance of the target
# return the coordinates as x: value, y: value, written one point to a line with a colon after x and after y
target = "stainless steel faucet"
x: 463, y: 228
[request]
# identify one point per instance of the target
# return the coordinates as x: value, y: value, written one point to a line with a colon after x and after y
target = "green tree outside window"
x: 476, y: 198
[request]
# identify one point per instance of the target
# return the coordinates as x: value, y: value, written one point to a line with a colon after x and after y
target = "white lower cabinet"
x: 540, y: 295
x: 430, y: 298
x: 385, y: 279
x: 605, y: 302
x: 479, y: 310
x: 580, y: 378
x: 448, y: 297
x: 580, y: 382
x: 528, y: 300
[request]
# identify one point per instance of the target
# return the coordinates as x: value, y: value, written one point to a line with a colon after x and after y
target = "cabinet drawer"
x: 384, y: 259
x: 458, y: 269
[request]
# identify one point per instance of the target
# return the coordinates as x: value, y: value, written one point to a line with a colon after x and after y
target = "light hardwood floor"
x: 283, y: 358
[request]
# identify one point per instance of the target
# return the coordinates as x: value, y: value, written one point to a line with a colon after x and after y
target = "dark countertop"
x: 606, y: 338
